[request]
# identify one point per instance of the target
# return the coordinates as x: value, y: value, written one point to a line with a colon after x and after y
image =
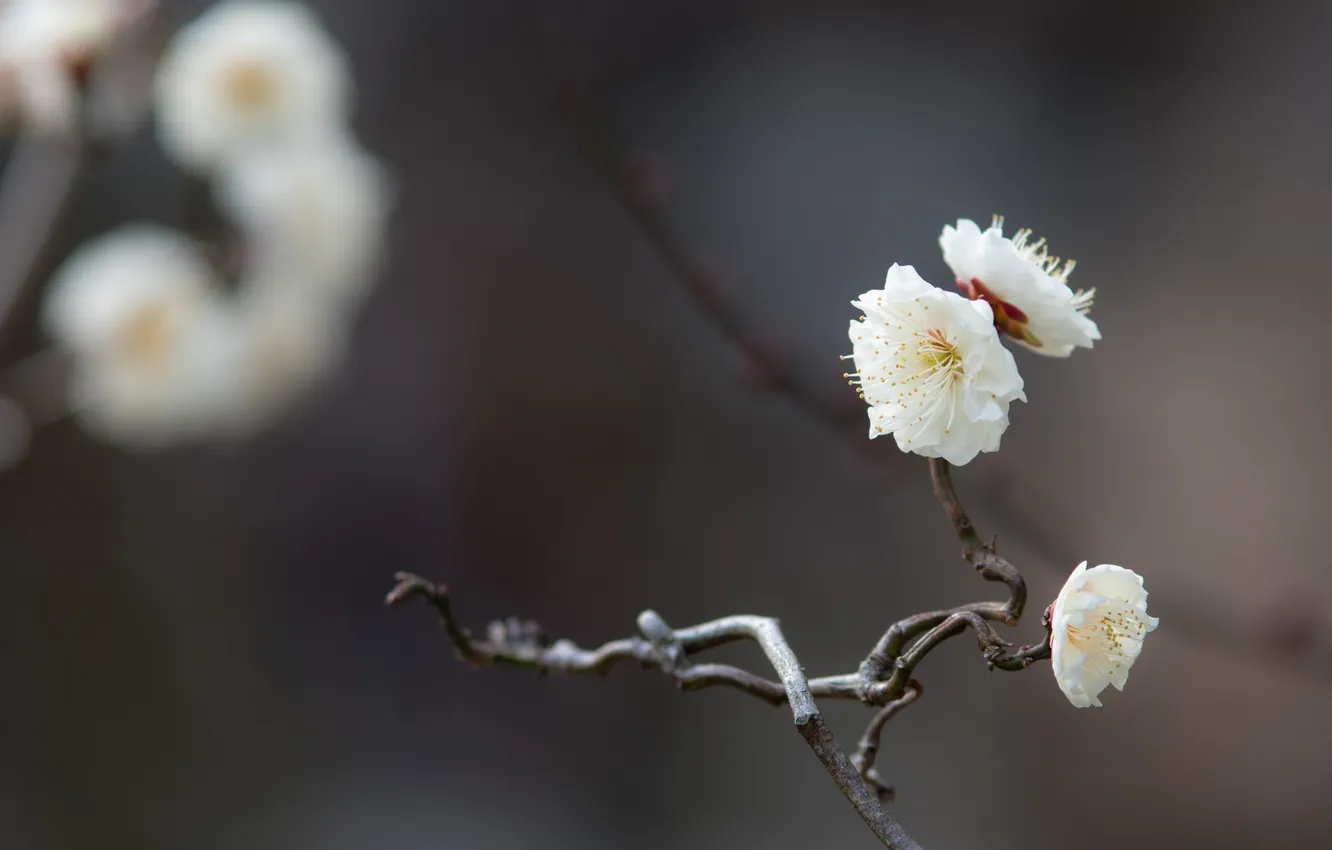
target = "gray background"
x: 194, y: 654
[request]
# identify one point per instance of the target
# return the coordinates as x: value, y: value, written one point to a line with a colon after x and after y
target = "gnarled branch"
x: 868, y: 749
x: 883, y: 679
x: 521, y: 643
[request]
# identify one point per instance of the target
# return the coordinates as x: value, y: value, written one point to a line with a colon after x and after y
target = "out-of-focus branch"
x: 635, y: 184
x: 35, y: 188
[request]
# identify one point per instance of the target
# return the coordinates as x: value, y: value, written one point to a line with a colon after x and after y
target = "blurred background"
x: 195, y: 651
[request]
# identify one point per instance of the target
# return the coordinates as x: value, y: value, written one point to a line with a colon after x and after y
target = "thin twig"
x: 977, y: 552
x: 521, y: 642
x: 838, y: 411
x: 867, y: 752
x: 845, y: 774
x: 884, y: 678
x: 995, y: 650
x: 647, y: 209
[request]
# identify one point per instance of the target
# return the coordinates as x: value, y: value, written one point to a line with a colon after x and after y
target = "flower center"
x: 911, y: 373
x: 1008, y: 318
x: 1116, y: 634
x: 250, y: 85
x: 938, y: 353
x: 147, y: 337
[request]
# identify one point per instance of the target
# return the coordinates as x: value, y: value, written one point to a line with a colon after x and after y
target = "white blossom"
x: 158, y: 350
x: 931, y: 368
x: 314, y: 216
x: 1098, y: 623
x: 96, y: 297
x: 292, y: 345
x: 248, y: 73
x: 46, y: 46
x: 185, y: 391
x: 1026, y: 286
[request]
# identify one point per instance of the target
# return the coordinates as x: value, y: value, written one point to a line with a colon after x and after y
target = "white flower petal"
x: 314, y: 216
x: 930, y: 366
x: 1098, y: 623
x: 1018, y: 272
x: 185, y: 392
x: 100, y: 288
x: 292, y: 346
x: 246, y: 74
x: 43, y: 46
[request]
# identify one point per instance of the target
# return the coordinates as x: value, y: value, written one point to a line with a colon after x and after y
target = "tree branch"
x: 522, y: 643
x: 884, y: 678
x: 632, y: 181
x: 977, y: 552
x: 868, y: 749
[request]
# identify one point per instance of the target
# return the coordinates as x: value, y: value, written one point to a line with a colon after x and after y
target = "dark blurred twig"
x: 35, y: 188
x: 632, y: 180
x: 883, y: 679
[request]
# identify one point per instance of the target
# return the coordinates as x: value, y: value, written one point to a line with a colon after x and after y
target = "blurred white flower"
x: 930, y: 366
x: 313, y: 216
x: 291, y: 347
x: 1026, y: 287
x: 1098, y: 623
x: 248, y: 73
x: 158, y: 351
x: 47, y: 47
x: 96, y: 298
x: 187, y: 387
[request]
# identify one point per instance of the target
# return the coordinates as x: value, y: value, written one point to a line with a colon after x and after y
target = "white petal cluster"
x: 248, y: 74
x: 313, y: 216
x: 931, y: 368
x: 47, y: 47
x: 1098, y: 623
x: 1025, y: 286
x: 156, y: 347
x: 291, y: 347
x: 252, y: 94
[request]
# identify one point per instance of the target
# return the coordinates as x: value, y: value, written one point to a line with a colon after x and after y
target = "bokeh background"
x: 194, y: 650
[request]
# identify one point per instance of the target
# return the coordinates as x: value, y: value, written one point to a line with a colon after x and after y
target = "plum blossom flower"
x: 47, y: 48
x: 1098, y: 623
x: 245, y: 74
x: 158, y: 350
x: 97, y: 297
x: 1026, y: 287
x: 291, y: 345
x: 930, y: 366
x: 314, y: 216
x: 184, y: 391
